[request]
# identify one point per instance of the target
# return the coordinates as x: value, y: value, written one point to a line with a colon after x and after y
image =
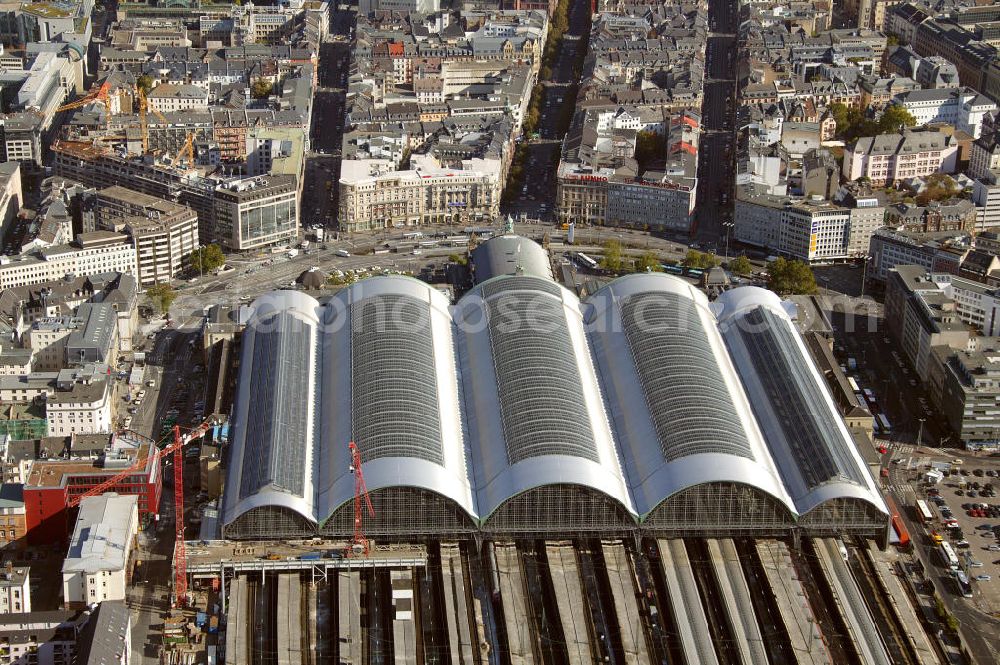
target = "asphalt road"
x: 537, y: 199
x: 715, y: 161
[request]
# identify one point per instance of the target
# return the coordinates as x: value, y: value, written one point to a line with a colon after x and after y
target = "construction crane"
x: 145, y: 107
x: 176, y: 448
x: 101, y: 96
x: 187, y: 150
x: 359, y: 545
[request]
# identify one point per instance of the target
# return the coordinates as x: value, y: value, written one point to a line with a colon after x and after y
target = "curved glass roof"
x: 393, y: 367
x: 812, y: 432
x: 542, y: 405
x: 685, y: 392
x: 276, y: 447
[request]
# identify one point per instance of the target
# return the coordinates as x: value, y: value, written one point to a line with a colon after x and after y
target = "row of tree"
x: 785, y: 276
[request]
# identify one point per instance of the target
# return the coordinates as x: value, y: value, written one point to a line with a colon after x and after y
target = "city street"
x: 322, y: 164
x: 537, y: 199
x: 715, y: 173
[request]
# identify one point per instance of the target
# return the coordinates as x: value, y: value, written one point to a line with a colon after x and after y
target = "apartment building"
x: 83, y: 409
x: 15, y: 589
x: 97, y: 562
x: 984, y: 155
x: 90, y: 254
x: 12, y: 525
x: 169, y: 97
x: 887, y: 158
x: 45, y: 638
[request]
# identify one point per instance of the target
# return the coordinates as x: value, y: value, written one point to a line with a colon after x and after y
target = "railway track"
x: 711, y: 597
x: 820, y: 598
x: 772, y: 629
x: 890, y: 628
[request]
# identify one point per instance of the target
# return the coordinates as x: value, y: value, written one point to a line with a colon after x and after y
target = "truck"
x: 852, y: 364
x: 320, y: 233
x: 305, y: 245
x: 292, y: 253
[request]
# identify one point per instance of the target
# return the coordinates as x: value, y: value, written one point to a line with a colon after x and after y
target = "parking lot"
x: 966, y: 513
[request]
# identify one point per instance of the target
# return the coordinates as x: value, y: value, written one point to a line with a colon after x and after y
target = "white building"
x: 984, y: 155
x: 96, y: 564
x: 977, y: 304
x: 812, y: 229
x: 90, y: 254
x: 373, y: 195
x: 887, y: 158
x: 47, y: 339
x: 168, y: 97
x: 986, y: 196
x: 15, y: 591
x: 83, y: 409
x: 964, y: 108
x: 890, y: 248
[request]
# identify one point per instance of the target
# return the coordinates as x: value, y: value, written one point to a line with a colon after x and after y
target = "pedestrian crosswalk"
x: 900, y: 490
x: 902, y: 448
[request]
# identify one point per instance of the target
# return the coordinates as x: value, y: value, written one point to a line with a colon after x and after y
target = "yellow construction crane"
x: 144, y: 107
x: 187, y: 150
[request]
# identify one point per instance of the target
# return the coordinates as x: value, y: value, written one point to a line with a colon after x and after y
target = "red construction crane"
x: 359, y: 546
x: 177, y: 448
x: 101, y: 95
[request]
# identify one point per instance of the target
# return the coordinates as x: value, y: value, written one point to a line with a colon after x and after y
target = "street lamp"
x: 864, y: 272
x: 728, y: 225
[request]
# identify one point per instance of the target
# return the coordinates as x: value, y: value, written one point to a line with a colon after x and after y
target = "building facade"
x: 97, y: 563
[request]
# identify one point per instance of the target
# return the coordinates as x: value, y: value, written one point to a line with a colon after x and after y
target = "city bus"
x: 854, y: 384
x: 948, y: 557
x: 962, y: 582
x: 672, y: 269
x: 586, y: 261
x: 884, y: 426
x: 924, y: 513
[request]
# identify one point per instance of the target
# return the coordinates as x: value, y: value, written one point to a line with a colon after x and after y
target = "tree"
x: 144, y: 83
x: 788, y: 277
x: 840, y: 116
x: 939, y: 187
x: 894, y: 118
x: 696, y: 259
x: 741, y: 266
x: 612, y: 259
x: 648, y: 262
x: 650, y: 148
x: 163, y: 296
x: 261, y: 88
x: 208, y: 258
x: 692, y: 258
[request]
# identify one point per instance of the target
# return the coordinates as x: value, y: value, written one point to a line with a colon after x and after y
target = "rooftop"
x: 102, y: 534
